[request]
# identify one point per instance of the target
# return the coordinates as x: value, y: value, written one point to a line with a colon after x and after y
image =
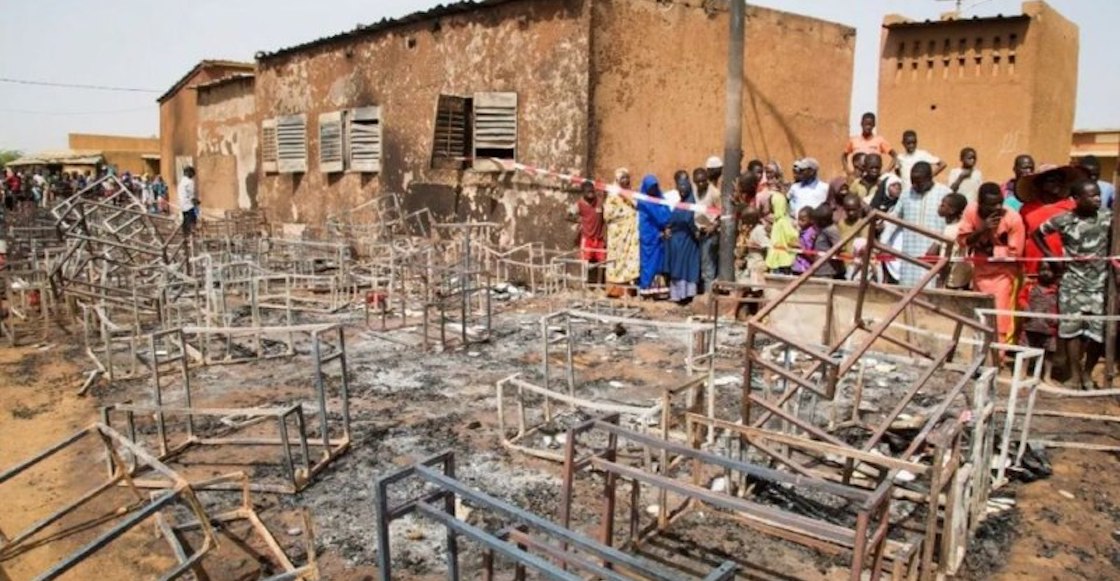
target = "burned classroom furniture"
x: 29, y: 243
x: 443, y: 286
x: 116, y: 251
x: 175, y: 429
x: 541, y: 432
x: 528, y: 542
x: 547, y: 408
x: 381, y: 219
x: 800, y: 377
x: 178, y: 532
x: 560, y: 328
x: 663, y: 467
x: 1088, y: 429
x: 122, y: 458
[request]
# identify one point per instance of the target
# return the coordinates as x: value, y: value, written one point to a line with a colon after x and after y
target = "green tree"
x: 7, y: 155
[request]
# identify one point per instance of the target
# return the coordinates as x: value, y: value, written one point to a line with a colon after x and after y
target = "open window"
x: 494, y: 129
x: 364, y: 138
x: 453, y: 132
x: 291, y: 143
x: 330, y: 142
x: 268, y: 146
x: 475, y: 129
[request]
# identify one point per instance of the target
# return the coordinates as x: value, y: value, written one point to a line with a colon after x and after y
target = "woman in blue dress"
x: 682, y: 255
x: 652, y: 218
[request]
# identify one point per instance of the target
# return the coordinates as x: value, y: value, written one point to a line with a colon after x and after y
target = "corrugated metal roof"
x: 385, y: 24
x: 61, y: 156
x: 973, y: 20
x: 204, y: 63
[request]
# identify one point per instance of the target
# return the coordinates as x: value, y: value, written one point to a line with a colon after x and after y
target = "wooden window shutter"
x: 330, y: 142
x: 452, y: 132
x: 291, y: 143
x: 364, y: 138
x: 268, y: 145
x: 495, y: 129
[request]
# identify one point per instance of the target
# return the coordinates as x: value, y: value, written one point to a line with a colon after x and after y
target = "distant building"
x: 1004, y: 85
x: 137, y: 155
x: 1103, y: 143
x: 178, y: 116
x: 60, y: 160
x: 417, y: 105
x: 90, y: 153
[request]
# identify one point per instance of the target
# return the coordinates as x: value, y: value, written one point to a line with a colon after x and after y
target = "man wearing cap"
x: 807, y: 191
x: 707, y: 223
x: 715, y: 170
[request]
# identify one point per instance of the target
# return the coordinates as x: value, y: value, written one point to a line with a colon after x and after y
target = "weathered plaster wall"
x: 178, y: 121
x: 404, y: 70
x: 228, y: 142
x: 658, y: 85
x: 1004, y: 87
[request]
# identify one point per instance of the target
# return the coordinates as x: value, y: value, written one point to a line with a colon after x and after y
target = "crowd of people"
x: 23, y: 189
x: 1003, y: 235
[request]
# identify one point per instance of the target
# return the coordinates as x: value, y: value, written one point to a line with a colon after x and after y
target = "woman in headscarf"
x: 652, y: 218
x: 784, y: 237
x: 682, y: 255
x: 837, y: 190
x: 621, y: 216
x: 884, y: 200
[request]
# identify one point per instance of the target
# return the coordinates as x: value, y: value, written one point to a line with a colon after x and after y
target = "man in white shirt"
x: 911, y: 155
x: 188, y: 198
x: 707, y: 226
x: 807, y: 191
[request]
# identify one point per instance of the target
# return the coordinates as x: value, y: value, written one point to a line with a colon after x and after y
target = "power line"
x: 67, y: 113
x: 75, y: 86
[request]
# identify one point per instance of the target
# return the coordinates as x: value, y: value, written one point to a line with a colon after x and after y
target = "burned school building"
x: 419, y: 105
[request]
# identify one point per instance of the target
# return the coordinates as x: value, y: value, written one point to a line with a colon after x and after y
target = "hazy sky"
x: 149, y: 44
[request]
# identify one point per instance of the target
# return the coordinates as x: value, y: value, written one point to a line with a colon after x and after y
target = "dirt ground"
x: 408, y: 404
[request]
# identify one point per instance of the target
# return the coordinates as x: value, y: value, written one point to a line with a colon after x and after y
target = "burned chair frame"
x: 550, y: 549
x: 779, y: 411
x: 174, y: 489
x: 866, y: 543
x: 300, y: 467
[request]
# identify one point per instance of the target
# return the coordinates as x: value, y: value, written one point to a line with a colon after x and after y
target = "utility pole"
x: 733, y: 140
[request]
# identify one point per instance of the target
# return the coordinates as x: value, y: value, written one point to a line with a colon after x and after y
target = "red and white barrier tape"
x: 601, y: 186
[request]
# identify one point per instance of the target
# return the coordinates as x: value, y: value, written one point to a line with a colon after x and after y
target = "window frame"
x: 291, y: 143
x: 333, y: 142
x: 361, y: 117
x: 270, y: 159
